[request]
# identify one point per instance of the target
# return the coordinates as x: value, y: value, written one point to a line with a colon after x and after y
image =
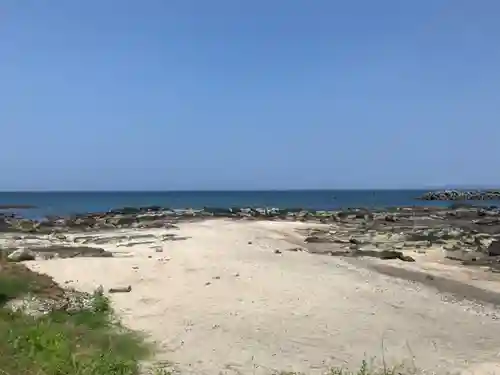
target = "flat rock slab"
x: 73, y: 251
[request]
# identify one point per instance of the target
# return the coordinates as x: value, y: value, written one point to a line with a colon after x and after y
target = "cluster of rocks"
x: 71, y: 301
x: 469, y: 235
x: 152, y: 217
x: 158, y: 217
x: 18, y: 247
x: 87, y: 222
x: 461, y: 195
x: 463, y: 232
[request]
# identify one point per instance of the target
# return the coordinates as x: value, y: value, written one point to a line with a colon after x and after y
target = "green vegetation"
x: 86, y: 342
x: 365, y: 369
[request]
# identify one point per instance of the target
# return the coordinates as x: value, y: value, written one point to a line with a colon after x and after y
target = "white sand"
x: 222, y: 305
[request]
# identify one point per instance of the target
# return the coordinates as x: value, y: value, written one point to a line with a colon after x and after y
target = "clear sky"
x: 233, y: 94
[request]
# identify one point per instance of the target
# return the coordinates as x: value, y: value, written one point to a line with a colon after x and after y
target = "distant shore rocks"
x: 16, y: 206
x: 461, y: 195
x: 141, y: 217
x: 460, y: 231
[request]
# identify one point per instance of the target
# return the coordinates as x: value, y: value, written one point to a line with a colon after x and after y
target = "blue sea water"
x: 66, y: 203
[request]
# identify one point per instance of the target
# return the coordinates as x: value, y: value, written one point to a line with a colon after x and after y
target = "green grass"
x: 87, y: 342
x: 366, y: 369
x: 16, y: 280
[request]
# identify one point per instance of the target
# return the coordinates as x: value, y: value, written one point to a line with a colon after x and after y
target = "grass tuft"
x: 365, y: 369
x: 87, y: 342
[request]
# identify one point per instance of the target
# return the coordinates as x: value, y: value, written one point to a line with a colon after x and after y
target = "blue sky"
x: 225, y: 94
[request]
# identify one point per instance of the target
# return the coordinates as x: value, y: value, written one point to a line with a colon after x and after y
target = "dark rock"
x: 124, y: 289
x: 343, y: 214
x: 406, y: 258
x: 316, y: 239
x: 494, y: 249
x: 143, y: 218
x: 81, y: 222
x: 122, y: 220
x: 384, y: 255
x: 295, y: 249
x: 4, y: 225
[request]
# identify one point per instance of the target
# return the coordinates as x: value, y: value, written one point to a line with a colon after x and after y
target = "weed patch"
x: 86, y: 342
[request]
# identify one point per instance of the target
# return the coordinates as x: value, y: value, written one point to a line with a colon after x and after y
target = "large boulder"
x: 494, y: 249
x: 4, y: 225
x: 124, y: 220
x: 21, y: 255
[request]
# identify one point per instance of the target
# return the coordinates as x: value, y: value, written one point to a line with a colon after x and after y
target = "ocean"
x: 66, y: 203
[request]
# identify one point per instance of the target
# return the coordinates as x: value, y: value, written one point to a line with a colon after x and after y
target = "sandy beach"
x: 236, y: 297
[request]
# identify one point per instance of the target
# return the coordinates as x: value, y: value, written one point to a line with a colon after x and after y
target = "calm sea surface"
x: 64, y: 203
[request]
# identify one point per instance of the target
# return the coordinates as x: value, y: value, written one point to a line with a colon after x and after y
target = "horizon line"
x: 249, y: 190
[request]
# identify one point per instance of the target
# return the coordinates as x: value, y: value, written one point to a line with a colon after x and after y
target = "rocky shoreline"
x: 466, y: 234
x: 470, y: 236
x: 16, y: 206
x: 217, y: 269
x: 461, y: 195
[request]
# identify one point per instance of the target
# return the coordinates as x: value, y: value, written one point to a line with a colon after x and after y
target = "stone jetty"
x: 461, y: 195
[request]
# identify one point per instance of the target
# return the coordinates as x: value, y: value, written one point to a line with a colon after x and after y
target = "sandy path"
x: 222, y: 305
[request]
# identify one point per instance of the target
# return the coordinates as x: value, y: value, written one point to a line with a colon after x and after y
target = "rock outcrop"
x: 461, y: 195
